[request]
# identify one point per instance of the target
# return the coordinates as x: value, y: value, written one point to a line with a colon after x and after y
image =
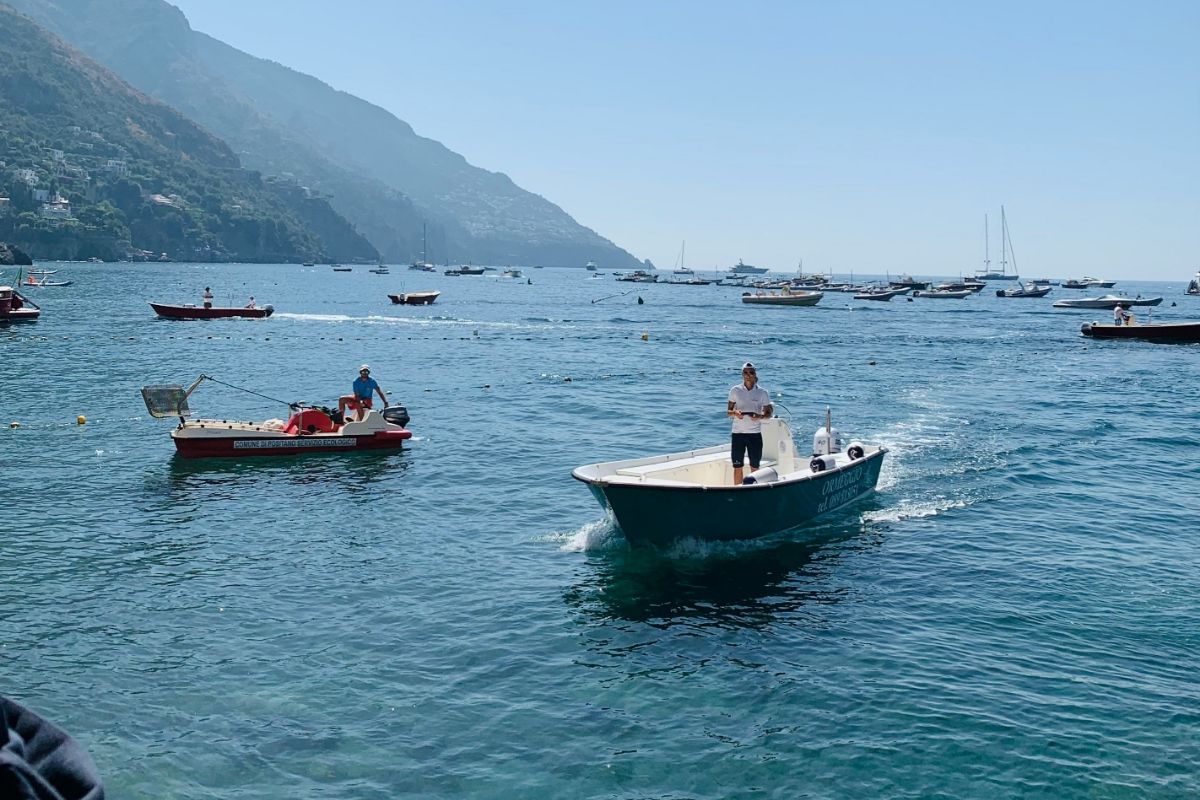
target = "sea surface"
x: 1013, y: 614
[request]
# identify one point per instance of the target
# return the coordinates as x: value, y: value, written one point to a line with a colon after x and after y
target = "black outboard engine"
x: 397, y: 415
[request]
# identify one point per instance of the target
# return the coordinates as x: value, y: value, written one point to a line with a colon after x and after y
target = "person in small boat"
x: 208, y: 297
x: 251, y: 304
x: 1120, y: 316
x: 749, y: 404
x: 361, y: 399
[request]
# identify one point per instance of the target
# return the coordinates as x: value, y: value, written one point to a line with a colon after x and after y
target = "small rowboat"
x: 200, y: 312
x: 658, y: 499
x: 1157, y: 331
x: 944, y: 294
x: 414, y: 298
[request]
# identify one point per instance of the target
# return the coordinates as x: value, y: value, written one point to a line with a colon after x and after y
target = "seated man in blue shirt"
x: 364, y: 385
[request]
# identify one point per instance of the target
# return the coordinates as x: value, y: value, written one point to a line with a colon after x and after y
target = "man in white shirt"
x: 749, y: 404
x: 208, y: 297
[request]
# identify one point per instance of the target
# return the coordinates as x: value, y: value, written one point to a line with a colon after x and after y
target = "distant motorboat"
x: 414, y: 298
x: 343, y: 269
x: 511, y: 273
x: 746, y: 269
x: 943, y: 294
x: 465, y: 270
x: 1194, y: 286
x: 783, y: 297
x: 1021, y: 290
x: 881, y: 294
x: 1109, y: 301
x: 908, y: 282
x: 591, y: 266
x: 380, y: 270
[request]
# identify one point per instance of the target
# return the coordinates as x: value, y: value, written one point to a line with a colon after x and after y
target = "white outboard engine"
x: 762, y: 475
x: 827, y: 440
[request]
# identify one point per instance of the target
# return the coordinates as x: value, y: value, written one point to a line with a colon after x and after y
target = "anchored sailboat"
x: 986, y: 274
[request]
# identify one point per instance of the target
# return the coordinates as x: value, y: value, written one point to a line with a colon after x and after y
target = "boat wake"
x: 913, y: 509
x: 599, y: 535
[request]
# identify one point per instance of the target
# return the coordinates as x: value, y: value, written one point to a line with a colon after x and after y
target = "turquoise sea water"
x: 1013, y: 614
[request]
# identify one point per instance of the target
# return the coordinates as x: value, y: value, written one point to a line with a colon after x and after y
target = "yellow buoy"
x: 645, y: 336
x: 81, y: 420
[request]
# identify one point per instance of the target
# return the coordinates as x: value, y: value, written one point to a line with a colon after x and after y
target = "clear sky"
x: 864, y: 136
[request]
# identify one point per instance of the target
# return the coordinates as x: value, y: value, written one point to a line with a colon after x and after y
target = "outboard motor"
x: 763, y: 475
x: 827, y: 439
x: 397, y: 415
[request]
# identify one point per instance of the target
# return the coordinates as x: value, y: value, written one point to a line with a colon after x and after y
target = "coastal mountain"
x: 91, y: 167
x: 374, y: 169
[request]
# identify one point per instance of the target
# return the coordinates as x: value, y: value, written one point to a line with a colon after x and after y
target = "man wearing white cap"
x: 364, y: 385
x: 749, y: 405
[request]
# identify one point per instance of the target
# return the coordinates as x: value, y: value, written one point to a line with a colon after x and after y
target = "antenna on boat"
x: 829, y: 422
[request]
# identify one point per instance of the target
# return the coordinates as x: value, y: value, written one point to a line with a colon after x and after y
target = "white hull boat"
x: 1109, y: 301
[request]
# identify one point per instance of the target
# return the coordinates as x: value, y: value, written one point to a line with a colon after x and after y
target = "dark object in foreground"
x: 40, y: 761
x: 1158, y: 331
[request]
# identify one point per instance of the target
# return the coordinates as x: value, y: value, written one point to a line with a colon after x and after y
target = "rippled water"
x: 1013, y: 614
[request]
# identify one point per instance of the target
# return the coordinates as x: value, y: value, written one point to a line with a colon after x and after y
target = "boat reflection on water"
x: 340, y: 475
x: 726, y: 584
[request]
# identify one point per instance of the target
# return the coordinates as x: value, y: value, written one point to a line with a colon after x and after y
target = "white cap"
x: 366, y: 367
x: 748, y: 365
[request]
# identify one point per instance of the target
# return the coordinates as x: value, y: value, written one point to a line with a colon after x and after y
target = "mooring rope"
x: 248, y: 391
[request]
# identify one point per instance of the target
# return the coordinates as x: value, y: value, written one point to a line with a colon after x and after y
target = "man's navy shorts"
x: 746, y: 443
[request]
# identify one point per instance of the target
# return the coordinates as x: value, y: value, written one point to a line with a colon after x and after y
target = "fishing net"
x: 166, y: 401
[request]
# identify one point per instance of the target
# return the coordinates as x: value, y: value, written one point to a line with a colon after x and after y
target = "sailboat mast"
x: 1003, y: 248
x: 987, y: 258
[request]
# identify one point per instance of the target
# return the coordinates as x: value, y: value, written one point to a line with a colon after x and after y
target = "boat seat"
x: 645, y: 469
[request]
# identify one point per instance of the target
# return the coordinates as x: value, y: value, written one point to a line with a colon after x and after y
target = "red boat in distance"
x: 16, y: 308
x: 200, y: 312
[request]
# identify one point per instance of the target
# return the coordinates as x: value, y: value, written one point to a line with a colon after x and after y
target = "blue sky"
x: 857, y: 136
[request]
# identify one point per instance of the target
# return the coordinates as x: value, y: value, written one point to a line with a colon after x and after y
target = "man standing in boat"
x: 364, y: 387
x: 749, y: 405
x: 208, y: 298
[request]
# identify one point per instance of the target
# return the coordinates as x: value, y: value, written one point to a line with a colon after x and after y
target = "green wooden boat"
x: 658, y: 499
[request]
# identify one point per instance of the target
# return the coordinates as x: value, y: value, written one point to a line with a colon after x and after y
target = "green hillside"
x: 377, y: 171
x: 92, y: 167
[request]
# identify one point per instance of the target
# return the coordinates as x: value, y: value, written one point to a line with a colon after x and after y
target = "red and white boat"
x: 14, y: 307
x: 414, y: 298
x: 200, y: 312
x: 308, y: 430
